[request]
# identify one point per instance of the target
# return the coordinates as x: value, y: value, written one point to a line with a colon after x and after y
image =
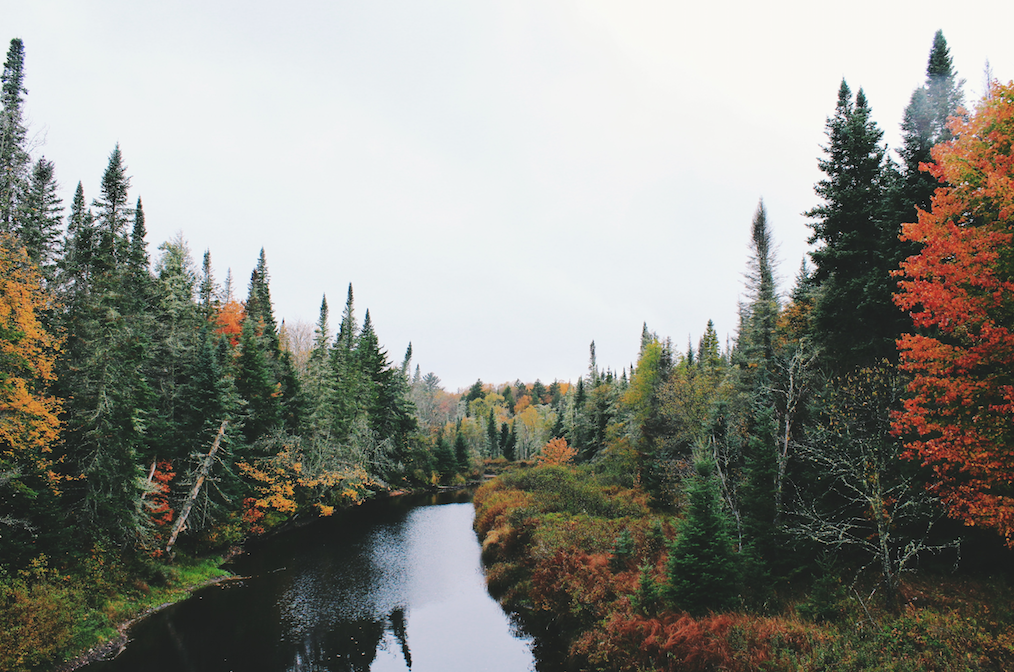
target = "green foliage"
x: 855, y: 318
x: 826, y: 601
x: 623, y: 551
x: 37, y: 614
x: 703, y: 570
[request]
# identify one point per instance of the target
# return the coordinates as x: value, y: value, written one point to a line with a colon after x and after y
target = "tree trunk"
x: 192, y: 497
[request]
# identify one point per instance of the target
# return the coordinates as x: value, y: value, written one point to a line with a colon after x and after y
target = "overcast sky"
x: 501, y: 182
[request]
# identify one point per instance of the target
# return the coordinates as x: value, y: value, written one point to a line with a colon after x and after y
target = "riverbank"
x: 588, y: 561
x: 101, y: 632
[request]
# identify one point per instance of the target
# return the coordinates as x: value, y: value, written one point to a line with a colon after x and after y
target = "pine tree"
x: 14, y: 158
x: 345, y: 369
x: 320, y: 382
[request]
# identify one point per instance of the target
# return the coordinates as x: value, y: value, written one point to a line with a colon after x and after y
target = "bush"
x: 37, y: 613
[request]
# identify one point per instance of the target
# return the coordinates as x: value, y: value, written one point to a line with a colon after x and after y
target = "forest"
x: 833, y: 486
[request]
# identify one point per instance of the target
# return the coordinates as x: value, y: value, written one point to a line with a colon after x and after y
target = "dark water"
x: 391, y: 585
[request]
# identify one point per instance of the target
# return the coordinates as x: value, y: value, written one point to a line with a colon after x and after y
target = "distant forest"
x: 151, y: 412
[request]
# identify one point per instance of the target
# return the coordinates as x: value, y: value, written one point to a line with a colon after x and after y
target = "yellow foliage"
x: 557, y: 452
x: 29, y: 422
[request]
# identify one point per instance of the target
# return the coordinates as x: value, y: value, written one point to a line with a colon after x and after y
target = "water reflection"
x: 345, y: 594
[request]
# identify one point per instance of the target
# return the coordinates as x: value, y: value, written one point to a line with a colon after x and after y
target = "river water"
x: 392, y: 585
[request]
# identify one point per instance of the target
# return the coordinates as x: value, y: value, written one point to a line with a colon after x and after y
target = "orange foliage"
x: 159, y: 511
x: 578, y: 588
x: 960, y: 292
x: 557, y: 452
x: 229, y: 321
x: 29, y: 424
x: 628, y: 642
x: 521, y: 404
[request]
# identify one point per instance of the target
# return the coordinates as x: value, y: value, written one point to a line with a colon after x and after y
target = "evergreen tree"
x: 703, y: 569
x: 41, y: 219
x: 461, y: 451
x: 925, y: 125
x: 345, y: 369
x: 321, y: 385
x: 855, y: 319
x: 492, y: 433
x: 709, y: 357
x: 447, y: 463
x: 256, y: 384
x: 79, y: 244
x: 137, y: 257
x: 207, y: 290
x: 14, y: 158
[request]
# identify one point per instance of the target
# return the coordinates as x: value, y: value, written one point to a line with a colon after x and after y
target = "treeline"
x: 857, y: 429
x: 146, y: 411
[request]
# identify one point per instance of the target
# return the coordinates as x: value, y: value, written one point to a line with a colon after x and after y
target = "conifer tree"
x: 41, y: 219
x: 321, y: 385
x: 14, y: 158
x: 207, y: 290
x: 855, y: 319
x: 112, y: 214
x: 345, y: 370
x: 492, y: 434
x: 256, y: 384
x: 137, y: 258
x: 703, y: 569
x: 461, y: 450
x: 925, y: 125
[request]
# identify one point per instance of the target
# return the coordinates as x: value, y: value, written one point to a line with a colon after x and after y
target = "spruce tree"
x: 703, y: 570
x: 78, y: 246
x: 41, y: 219
x: 492, y: 434
x: 855, y: 319
x: 256, y: 384
x: 461, y: 451
x: 14, y: 158
x: 925, y: 125
x: 112, y: 215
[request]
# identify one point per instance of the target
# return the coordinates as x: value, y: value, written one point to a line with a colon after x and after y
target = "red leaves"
x: 629, y: 642
x: 960, y: 293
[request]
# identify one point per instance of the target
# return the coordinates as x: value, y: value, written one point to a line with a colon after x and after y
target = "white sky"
x: 502, y: 182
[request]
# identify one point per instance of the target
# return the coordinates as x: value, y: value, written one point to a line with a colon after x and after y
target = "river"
x: 392, y: 585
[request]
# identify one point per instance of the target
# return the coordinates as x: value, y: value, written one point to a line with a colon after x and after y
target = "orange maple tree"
x: 556, y: 452
x: 959, y: 291
x: 229, y: 321
x: 29, y: 415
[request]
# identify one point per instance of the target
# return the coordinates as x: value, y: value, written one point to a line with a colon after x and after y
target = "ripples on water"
x: 390, y: 586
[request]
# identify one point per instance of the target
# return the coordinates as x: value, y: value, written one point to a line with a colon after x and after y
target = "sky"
x: 502, y: 182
